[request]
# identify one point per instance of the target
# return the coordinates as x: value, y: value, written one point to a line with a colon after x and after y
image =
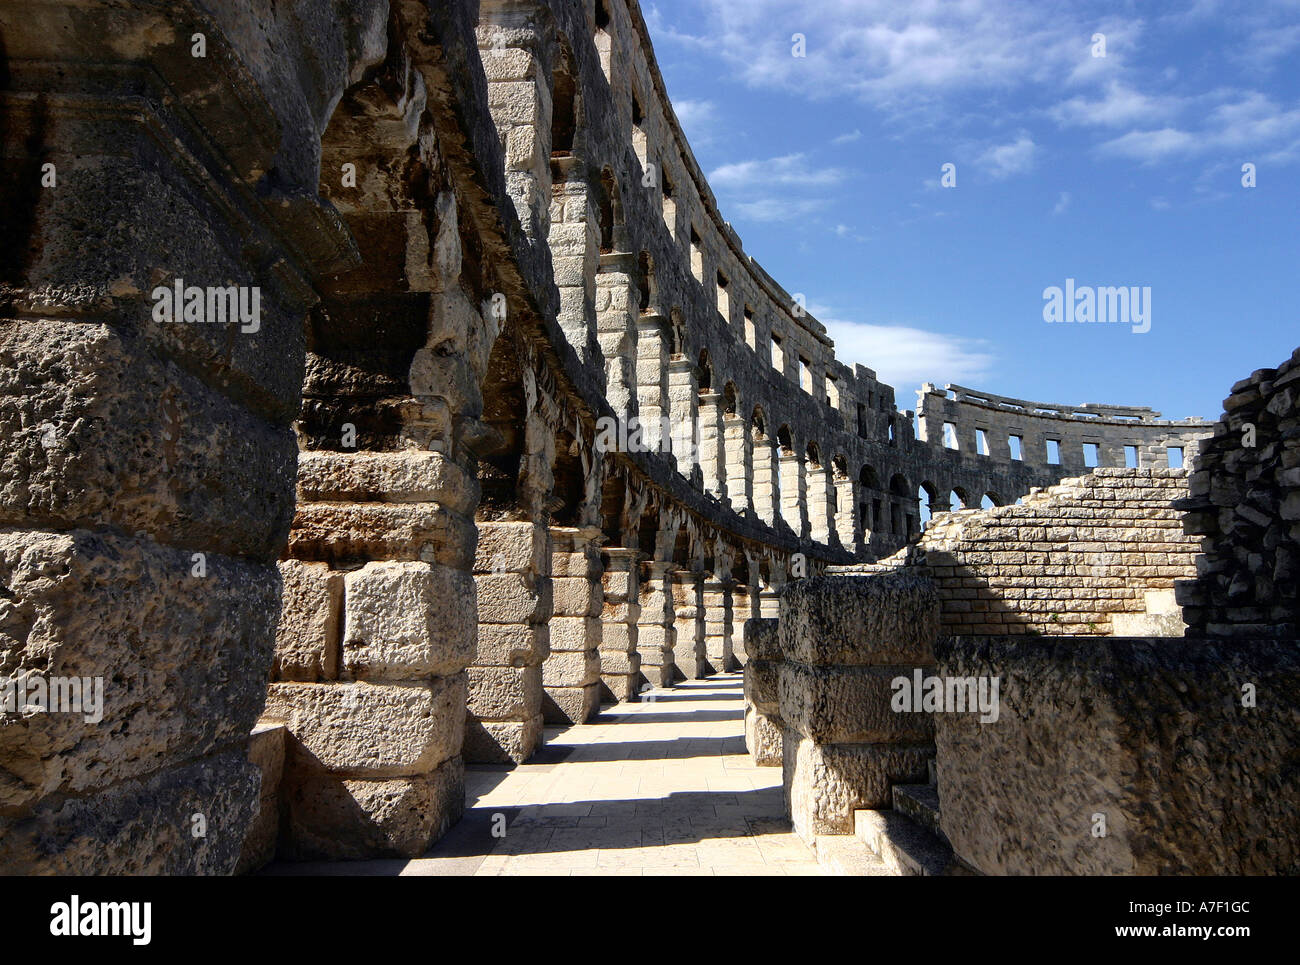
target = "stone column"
x: 842, y: 641
x: 655, y: 626
x: 688, y: 624
x: 818, y: 503
x: 717, y: 598
x: 683, y: 403
x: 504, y: 722
x: 651, y: 379
x: 616, y: 331
x: 712, y: 457
x: 767, y: 495
x: 844, y: 511
x: 511, y: 48
x: 792, y: 493
x: 571, y: 673
x: 620, y: 663
x: 763, y: 727
x: 147, y: 471
x: 739, y: 476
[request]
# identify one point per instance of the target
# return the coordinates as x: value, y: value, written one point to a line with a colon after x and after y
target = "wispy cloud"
x: 1062, y: 204
x: 779, y: 209
x: 905, y: 357
x: 790, y: 170
x: 849, y: 138
x: 1004, y: 160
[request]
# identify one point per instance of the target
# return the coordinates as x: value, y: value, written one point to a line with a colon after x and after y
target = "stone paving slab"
x: 659, y: 787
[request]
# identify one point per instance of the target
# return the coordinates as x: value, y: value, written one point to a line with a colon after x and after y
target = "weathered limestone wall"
x: 1244, y: 503
x: 1124, y: 756
x: 842, y: 640
x: 148, y: 465
x: 1083, y: 557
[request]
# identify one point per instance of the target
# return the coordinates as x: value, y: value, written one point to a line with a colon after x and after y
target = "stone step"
x: 845, y: 855
x: 1147, y: 624
x: 920, y: 803
x: 902, y: 845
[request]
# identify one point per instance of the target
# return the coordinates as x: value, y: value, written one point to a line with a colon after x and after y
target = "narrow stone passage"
x: 663, y: 786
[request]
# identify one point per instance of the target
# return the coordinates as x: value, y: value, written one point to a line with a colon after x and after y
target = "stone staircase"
x: 1162, y: 617
x: 905, y: 840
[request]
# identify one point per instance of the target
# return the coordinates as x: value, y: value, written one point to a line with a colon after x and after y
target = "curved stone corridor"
x: 663, y: 786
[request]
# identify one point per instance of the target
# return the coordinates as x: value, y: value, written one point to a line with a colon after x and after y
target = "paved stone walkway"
x: 663, y: 786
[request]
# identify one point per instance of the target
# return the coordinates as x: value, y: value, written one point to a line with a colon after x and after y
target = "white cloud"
x: 779, y: 209
x: 1150, y: 146
x: 790, y: 170
x: 849, y: 138
x: 1004, y: 160
x: 1119, y: 106
x: 1062, y: 203
x: 904, y: 357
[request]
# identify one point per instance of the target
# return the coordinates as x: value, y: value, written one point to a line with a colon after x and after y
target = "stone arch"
x: 602, y: 36
x: 960, y: 498
x: 992, y: 499
x: 704, y: 372
x: 930, y: 501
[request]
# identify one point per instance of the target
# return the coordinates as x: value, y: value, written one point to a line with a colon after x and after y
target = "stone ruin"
x: 318, y: 322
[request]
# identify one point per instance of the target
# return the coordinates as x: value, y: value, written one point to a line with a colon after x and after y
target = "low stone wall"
x: 1124, y: 756
x: 842, y: 640
x: 1065, y: 561
x: 1244, y: 502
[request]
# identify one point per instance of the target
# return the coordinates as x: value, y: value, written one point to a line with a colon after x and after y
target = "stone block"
x: 405, y: 621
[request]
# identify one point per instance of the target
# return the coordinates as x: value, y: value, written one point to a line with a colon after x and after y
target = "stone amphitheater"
x: 515, y: 430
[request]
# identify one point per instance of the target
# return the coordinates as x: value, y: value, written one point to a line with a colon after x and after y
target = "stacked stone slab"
x: 1068, y: 560
x: 763, y: 725
x: 688, y: 626
x: 146, y: 480
x: 842, y: 641
x: 571, y: 673
x: 656, y: 625
x: 620, y: 662
x: 1124, y: 756
x: 716, y: 602
x: 1244, y: 503
x: 504, y: 722
x: 369, y: 677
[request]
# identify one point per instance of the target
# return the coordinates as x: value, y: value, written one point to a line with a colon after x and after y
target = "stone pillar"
x: 717, y: 620
x: 147, y: 471
x: 651, y: 379
x: 616, y: 331
x: 842, y: 641
x: 571, y: 673
x: 519, y: 96
x: 712, y: 457
x: 738, y: 475
x: 655, y: 626
x: 683, y: 404
x: 620, y: 663
x: 792, y: 493
x: 504, y: 722
x: 688, y: 624
x: 742, y: 609
x: 845, y: 501
x: 766, y: 493
x: 574, y: 238
x: 818, y: 503
x: 763, y: 727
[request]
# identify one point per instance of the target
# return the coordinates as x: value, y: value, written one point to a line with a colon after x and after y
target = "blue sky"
x: 1117, y: 170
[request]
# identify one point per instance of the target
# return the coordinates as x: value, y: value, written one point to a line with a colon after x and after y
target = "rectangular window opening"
x: 1053, y: 452
x: 1016, y: 444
